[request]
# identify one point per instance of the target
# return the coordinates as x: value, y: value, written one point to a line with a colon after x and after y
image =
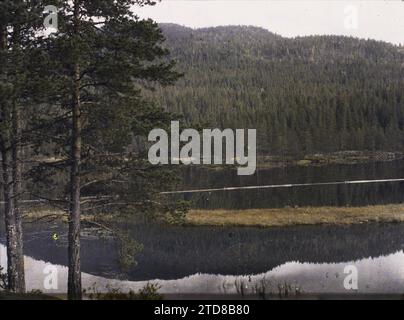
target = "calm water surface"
x: 340, y: 195
x: 213, y: 259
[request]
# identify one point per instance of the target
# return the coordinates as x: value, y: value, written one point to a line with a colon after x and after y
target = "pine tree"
x: 101, y: 58
x: 19, y: 20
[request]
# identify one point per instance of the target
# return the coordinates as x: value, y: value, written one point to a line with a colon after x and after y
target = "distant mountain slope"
x: 307, y: 94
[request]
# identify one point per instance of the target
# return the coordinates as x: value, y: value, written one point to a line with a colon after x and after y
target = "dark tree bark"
x: 74, y: 281
x: 9, y: 147
x: 17, y: 191
x: 17, y: 167
x: 15, y: 259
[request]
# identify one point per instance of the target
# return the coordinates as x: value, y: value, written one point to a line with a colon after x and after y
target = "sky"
x: 374, y: 19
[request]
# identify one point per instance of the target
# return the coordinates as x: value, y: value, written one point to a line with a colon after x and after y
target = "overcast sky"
x: 375, y: 19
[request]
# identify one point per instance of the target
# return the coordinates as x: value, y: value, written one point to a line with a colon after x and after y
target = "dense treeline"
x: 303, y: 95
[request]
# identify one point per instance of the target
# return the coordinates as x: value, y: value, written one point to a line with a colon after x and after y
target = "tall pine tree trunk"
x: 74, y: 281
x: 12, y: 170
x: 17, y: 191
x: 17, y: 163
x: 15, y: 258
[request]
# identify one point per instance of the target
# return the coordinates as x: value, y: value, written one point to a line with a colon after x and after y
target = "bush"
x: 148, y: 292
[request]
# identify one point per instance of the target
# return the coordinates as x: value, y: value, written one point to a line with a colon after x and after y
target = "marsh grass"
x: 297, y: 216
x: 277, y: 217
x: 149, y: 292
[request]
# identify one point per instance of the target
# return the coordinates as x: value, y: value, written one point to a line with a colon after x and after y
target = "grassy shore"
x: 319, y: 159
x: 260, y: 217
x: 297, y: 216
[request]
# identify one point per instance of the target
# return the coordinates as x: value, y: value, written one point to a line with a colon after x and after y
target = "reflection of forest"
x: 175, y: 252
x: 341, y: 195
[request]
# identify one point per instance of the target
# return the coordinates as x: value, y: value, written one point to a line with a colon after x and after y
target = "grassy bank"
x: 321, y: 159
x: 260, y: 217
x: 297, y: 216
x: 318, y: 159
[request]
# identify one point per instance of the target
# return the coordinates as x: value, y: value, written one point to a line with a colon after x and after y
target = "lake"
x: 340, y: 195
x: 218, y: 261
x: 214, y: 260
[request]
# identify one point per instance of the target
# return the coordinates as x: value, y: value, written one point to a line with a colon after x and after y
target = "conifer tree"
x: 19, y: 22
x: 101, y: 59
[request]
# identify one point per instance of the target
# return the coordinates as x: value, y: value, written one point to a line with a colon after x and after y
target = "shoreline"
x: 348, y: 157
x: 261, y: 218
x: 283, y: 217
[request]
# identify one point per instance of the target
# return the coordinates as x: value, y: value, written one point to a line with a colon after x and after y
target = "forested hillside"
x: 303, y: 95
